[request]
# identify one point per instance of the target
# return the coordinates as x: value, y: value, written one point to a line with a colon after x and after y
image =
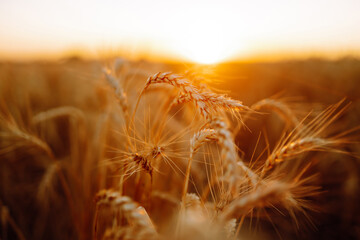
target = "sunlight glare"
x: 206, y: 39
x: 203, y: 49
x: 199, y: 31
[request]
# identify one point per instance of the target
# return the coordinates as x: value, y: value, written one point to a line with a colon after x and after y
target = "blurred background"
x: 305, y: 52
x: 196, y: 31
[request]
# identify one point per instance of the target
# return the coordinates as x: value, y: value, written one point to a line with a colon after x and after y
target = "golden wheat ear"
x: 199, y: 138
x: 139, y: 224
x: 207, y: 102
x: 13, y: 133
x: 308, y: 137
x: 278, y: 106
x: 119, y: 92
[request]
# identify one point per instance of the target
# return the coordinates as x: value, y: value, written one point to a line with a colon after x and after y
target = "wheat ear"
x: 262, y: 196
x: 206, y: 102
x: 120, y: 93
x: 297, y: 147
x: 129, y: 233
x: 57, y: 112
x: 143, y: 162
x: 14, y: 131
x: 229, y: 154
x: 306, y: 138
x: 199, y: 138
x: 279, y: 107
x: 134, y: 214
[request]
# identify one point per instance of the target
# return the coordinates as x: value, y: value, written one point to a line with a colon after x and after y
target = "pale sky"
x: 202, y: 31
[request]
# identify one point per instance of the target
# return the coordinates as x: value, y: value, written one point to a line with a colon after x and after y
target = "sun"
x: 205, y: 40
x: 204, y: 47
x: 204, y: 52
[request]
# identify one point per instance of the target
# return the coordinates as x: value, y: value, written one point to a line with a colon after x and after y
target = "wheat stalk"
x: 46, y: 188
x: 6, y: 218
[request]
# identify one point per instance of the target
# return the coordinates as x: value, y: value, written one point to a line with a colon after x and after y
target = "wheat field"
x: 120, y: 149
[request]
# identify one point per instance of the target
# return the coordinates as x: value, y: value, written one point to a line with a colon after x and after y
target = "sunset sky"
x: 200, y: 31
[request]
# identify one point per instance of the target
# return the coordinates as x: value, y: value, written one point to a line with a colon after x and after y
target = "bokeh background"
x: 52, y: 54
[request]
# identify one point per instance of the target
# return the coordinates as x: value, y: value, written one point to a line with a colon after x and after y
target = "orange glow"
x: 198, y: 31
